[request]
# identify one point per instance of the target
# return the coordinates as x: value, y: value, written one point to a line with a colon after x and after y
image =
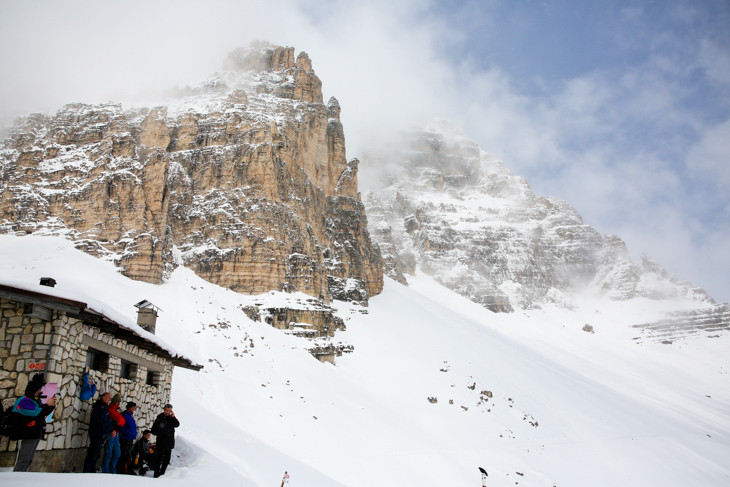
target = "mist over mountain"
x: 243, y: 177
x: 444, y: 206
x: 460, y: 319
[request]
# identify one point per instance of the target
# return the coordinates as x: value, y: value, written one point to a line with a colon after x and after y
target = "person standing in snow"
x: 31, y: 421
x: 164, y: 430
x: 100, y: 427
x: 285, y: 480
x: 111, y: 449
x: 126, y: 439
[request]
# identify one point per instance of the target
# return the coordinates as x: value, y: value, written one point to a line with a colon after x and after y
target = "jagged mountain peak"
x: 260, y: 56
x: 448, y: 208
x: 242, y: 177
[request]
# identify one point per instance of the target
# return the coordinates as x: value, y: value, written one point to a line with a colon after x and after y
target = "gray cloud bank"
x: 637, y: 150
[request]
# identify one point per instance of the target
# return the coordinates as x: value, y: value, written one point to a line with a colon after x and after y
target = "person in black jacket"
x: 164, y: 430
x: 30, y: 415
x: 144, y: 450
x: 100, y: 426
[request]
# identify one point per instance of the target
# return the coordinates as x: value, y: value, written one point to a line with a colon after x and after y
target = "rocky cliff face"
x: 243, y: 178
x: 446, y: 207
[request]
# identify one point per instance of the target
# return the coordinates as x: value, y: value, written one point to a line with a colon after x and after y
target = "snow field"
x: 568, y: 408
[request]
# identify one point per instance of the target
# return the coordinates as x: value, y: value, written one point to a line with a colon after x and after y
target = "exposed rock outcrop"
x: 243, y: 178
x: 677, y: 325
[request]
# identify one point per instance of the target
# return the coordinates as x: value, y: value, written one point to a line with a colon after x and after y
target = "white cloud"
x: 709, y: 158
x: 97, y: 52
x: 715, y: 61
x: 610, y: 142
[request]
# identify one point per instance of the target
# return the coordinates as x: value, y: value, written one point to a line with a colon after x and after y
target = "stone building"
x: 45, y: 330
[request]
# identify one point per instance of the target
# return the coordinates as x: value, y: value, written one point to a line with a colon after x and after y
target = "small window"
x: 128, y: 370
x: 153, y: 378
x: 96, y: 360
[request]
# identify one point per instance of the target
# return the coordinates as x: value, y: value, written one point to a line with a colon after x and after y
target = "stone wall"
x: 25, y: 341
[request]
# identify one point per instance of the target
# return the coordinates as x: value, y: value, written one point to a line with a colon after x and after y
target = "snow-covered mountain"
x: 510, y: 334
x: 242, y: 178
x: 437, y: 386
x: 446, y: 207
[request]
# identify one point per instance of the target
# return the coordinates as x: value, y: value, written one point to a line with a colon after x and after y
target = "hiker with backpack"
x: 126, y: 439
x: 28, y: 418
x: 100, y: 427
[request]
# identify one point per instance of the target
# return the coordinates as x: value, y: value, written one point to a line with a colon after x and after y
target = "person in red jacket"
x: 112, y: 451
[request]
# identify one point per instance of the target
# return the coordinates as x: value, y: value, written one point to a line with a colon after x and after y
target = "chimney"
x: 48, y: 281
x: 147, y: 315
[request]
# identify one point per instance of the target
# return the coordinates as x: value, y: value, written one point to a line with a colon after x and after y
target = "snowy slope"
x: 567, y: 407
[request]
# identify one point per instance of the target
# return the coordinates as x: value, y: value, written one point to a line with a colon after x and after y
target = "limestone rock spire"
x: 336, y: 152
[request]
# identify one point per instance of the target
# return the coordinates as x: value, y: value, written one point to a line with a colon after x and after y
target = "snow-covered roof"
x: 85, y: 306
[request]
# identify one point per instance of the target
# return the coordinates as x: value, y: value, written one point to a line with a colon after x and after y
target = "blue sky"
x: 648, y: 86
x: 622, y: 108
x: 557, y: 40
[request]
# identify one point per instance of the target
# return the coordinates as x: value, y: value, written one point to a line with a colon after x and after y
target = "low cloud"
x: 633, y: 149
x: 709, y: 158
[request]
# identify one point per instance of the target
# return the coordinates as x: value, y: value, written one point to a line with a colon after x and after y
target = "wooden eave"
x: 53, y: 302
